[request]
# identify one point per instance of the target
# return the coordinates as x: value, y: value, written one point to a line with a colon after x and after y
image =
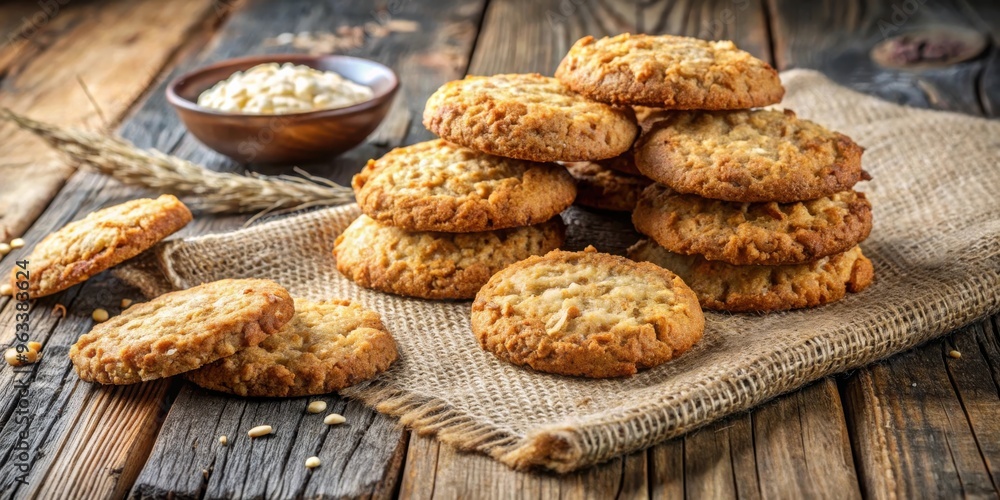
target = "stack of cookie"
x: 753, y: 208
x: 442, y: 216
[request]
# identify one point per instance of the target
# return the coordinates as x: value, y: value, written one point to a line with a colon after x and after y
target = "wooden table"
x: 921, y: 424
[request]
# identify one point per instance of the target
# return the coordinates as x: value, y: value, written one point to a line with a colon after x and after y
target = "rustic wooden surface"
x: 921, y: 424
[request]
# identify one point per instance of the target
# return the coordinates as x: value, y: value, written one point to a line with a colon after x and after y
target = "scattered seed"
x: 17, y: 243
x: 312, y: 462
x: 6, y: 289
x: 316, y: 407
x: 126, y: 303
x: 913, y: 384
x: 100, y: 315
x: 58, y: 309
x: 334, y: 419
x: 260, y: 430
x: 15, y: 358
x: 223, y: 440
x: 955, y: 354
x: 4, y: 249
x: 35, y: 346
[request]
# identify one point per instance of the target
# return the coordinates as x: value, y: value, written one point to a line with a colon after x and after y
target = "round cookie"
x: 586, y: 313
x: 436, y: 265
x: 181, y: 331
x: 101, y: 240
x: 327, y: 346
x: 439, y: 186
x: 605, y: 189
x: 529, y: 117
x: 669, y: 71
x: 748, y: 156
x: 753, y: 233
x: 725, y: 287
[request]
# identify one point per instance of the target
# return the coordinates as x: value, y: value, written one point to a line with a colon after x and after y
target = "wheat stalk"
x: 205, y: 190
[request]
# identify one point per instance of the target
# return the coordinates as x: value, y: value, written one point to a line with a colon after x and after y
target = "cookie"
x: 586, y: 313
x: 605, y: 189
x: 327, y: 346
x: 436, y: 265
x: 101, y: 240
x: 439, y: 186
x: 181, y: 331
x: 725, y: 287
x: 753, y: 233
x: 529, y: 117
x: 624, y: 163
x: 748, y: 156
x: 669, y: 71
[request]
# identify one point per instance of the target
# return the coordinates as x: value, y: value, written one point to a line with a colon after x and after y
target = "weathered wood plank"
x: 913, y: 437
x: 364, y: 457
x: 986, y: 16
x: 39, y: 76
x: 838, y: 42
x: 434, y: 470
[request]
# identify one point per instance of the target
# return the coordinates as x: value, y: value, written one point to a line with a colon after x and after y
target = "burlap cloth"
x: 935, y: 246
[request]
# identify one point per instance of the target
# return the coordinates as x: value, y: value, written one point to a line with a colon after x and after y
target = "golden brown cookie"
x: 529, y: 117
x: 605, y: 189
x: 753, y: 233
x: 439, y: 186
x: 101, y: 240
x: 725, y: 287
x: 436, y: 265
x: 669, y: 71
x: 327, y: 346
x: 748, y: 156
x: 181, y: 331
x: 586, y: 313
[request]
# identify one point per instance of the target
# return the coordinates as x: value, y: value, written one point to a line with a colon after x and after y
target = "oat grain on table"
x: 725, y: 287
x: 101, y: 240
x: 669, y: 71
x: 436, y: 265
x: 753, y: 233
x: 439, y: 186
x: 586, y: 313
x: 181, y: 331
x: 748, y: 156
x: 327, y: 346
x: 529, y: 117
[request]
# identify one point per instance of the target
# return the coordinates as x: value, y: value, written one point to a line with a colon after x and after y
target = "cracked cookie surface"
x: 436, y: 265
x: 181, y: 331
x: 725, y: 287
x: 587, y: 314
x: 439, y: 186
x: 101, y: 240
x: 667, y: 71
x: 753, y: 233
x: 529, y: 117
x: 748, y: 156
x: 327, y: 346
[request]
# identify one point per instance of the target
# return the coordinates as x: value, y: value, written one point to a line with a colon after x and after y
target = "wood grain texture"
x: 363, y: 457
x: 434, y: 470
x: 924, y: 424
x: 40, y: 78
x: 839, y: 41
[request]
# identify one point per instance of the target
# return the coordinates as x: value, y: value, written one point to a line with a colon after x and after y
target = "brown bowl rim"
x: 175, y: 99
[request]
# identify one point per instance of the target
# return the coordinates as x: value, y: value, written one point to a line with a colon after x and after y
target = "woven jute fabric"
x: 935, y: 246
